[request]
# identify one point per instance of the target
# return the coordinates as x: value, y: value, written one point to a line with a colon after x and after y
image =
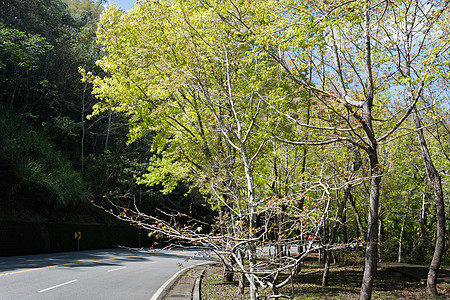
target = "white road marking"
x: 53, y: 287
x: 116, y: 269
x: 165, y: 285
x: 171, y: 281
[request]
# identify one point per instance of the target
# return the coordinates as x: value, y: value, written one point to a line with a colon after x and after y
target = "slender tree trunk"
x: 228, y: 273
x: 280, y: 215
x: 241, y: 285
x: 251, y: 205
x: 357, y: 216
x: 108, y: 130
x: 252, y: 222
x: 423, y: 217
x: 435, y: 180
x: 252, y: 262
x: 13, y: 95
x: 380, y: 231
x: 327, y: 253
x: 400, y: 240
x: 370, y: 262
x: 344, y: 225
x: 83, y: 127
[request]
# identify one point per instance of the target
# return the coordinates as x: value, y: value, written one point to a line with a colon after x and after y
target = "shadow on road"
x: 109, y: 257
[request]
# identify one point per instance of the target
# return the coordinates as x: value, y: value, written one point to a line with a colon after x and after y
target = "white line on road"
x: 159, y: 293
x: 116, y: 269
x: 53, y: 287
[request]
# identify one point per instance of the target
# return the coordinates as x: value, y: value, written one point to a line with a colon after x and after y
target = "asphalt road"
x: 96, y: 274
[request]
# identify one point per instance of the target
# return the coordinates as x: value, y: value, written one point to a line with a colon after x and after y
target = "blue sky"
x: 123, y: 4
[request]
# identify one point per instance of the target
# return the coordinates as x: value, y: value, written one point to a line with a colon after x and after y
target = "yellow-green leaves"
x: 165, y: 171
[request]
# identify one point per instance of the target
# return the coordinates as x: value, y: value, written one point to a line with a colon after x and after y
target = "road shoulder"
x: 184, y: 284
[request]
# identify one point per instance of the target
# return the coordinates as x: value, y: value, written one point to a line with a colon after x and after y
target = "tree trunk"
x: 370, y: 263
x: 400, y: 240
x: 435, y: 180
x: 241, y: 285
x: 228, y: 274
x: 108, y: 130
x: 423, y: 218
x: 252, y: 280
x: 252, y: 222
x: 83, y: 128
x: 327, y: 253
x: 344, y: 225
x: 357, y: 216
x: 380, y: 231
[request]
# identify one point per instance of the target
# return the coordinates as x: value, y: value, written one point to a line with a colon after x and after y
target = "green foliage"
x: 20, y: 55
x: 46, y: 18
x: 111, y: 174
x: 84, y: 11
x: 21, y: 49
x: 173, y: 80
x: 160, y: 171
x: 43, y: 179
x: 217, y: 83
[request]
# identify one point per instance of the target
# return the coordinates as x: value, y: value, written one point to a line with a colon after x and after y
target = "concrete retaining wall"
x: 19, y: 238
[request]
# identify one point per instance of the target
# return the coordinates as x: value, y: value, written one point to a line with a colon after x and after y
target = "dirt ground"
x: 344, y: 283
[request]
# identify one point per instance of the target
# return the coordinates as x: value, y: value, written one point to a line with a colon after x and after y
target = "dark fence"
x: 19, y: 238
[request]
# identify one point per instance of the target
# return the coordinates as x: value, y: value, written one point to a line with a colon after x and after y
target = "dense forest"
x: 322, y: 124
x: 53, y: 160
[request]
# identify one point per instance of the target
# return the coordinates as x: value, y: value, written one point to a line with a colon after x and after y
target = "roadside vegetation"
x: 34, y: 174
x: 344, y: 283
x: 53, y: 160
x: 230, y: 124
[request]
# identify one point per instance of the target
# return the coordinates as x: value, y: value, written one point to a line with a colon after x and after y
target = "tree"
x: 204, y: 92
x: 363, y: 47
x: 20, y: 56
x: 417, y: 68
x: 190, y: 70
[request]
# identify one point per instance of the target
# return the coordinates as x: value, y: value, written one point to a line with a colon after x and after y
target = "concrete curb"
x: 162, y: 291
x: 196, y: 294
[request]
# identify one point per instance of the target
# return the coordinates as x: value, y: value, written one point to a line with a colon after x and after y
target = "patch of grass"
x: 344, y: 283
x: 214, y: 287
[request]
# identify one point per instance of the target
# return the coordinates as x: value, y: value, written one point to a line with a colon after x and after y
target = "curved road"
x: 95, y: 274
